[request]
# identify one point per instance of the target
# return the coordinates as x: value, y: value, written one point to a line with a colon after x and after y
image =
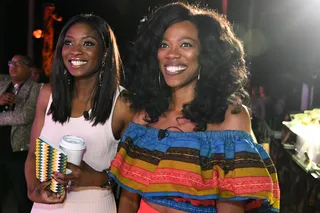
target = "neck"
x: 85, y: 87
x: 181, y: 96
x: 17, y: 82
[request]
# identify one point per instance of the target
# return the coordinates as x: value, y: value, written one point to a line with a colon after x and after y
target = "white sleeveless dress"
x: 101, y: 150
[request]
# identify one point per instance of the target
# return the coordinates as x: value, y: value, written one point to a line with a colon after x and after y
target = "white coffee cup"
x: 74, y: 147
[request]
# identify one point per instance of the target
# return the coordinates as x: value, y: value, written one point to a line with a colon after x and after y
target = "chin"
x: 180, y: 84
x: 75, y: 73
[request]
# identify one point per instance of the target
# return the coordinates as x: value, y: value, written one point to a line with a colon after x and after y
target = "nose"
x: 76, y: 49
x: 173, y: 53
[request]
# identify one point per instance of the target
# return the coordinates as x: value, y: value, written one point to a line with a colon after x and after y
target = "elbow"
x: 30, y: 196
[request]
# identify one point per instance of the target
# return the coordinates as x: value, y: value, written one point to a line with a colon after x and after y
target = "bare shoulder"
x: 124, y: 111
x: 122, y: 105
x: 139, y: 118
x: 46, y: 88
x: 44, y: 96
x: 238, y: 118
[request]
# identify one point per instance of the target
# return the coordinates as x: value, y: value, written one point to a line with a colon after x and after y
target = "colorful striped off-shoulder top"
x: 190, y: 171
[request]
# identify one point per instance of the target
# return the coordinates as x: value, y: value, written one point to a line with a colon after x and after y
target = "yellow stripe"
x: 127, y: 182
x: 182, y: 189
x: 134, y: 161
x: 250, y: 172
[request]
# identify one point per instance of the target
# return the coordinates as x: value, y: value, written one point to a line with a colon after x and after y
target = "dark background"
x: 282, y: 53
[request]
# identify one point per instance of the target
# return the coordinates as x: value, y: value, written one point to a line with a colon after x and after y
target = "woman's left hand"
x: 82, y: 175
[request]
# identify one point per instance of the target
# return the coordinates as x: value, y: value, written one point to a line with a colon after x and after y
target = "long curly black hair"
x: 62, y: 84
x: 223, y: 70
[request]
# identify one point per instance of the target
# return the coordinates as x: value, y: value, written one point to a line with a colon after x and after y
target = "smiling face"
x: 178, y: 54
x: 82, y: 50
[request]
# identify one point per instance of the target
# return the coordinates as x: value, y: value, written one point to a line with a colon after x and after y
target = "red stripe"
x: 237, y: 185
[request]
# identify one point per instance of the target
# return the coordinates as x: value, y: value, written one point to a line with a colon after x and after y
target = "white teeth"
x: 78, y: 63
x: 175, y: 68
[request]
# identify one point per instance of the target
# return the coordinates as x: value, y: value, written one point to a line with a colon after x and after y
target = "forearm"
x: 24, y: 111
x: 30, y: 173
x: 97, y: 179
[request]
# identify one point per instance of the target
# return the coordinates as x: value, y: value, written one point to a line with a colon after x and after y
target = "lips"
x: 77, y: 62
x: 174, y: 69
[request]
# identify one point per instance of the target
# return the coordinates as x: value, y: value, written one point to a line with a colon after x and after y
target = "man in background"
x: 18, y: 98
x: 35, y: 74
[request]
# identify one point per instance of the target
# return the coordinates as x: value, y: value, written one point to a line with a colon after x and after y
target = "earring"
x: 199, y: 73
x: 104, y: 60
x: 159, y: 80
x: 100, y: 78
x: 103, y: 63
x: 66, y: 74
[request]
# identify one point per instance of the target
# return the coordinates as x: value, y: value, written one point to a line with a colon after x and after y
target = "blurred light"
x: 37, y: 33
x: 56, y: 18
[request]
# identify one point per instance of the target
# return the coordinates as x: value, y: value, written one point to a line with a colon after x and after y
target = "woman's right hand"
x: 41, y: 194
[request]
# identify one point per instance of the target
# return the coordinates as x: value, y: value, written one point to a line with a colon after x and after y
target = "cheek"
x: 160, y: 55
x: 64, y: 52
x: 194, y: 57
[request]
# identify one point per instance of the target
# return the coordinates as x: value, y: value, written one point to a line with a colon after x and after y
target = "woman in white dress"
x: 85, y: 100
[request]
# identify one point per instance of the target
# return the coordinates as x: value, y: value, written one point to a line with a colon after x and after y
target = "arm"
x: 129, y: 202
x: 122, y: 116
x: 23, y: 114
x: 36, y: 190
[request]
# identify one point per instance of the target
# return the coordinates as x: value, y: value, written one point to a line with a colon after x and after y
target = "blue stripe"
x: 226, y: 142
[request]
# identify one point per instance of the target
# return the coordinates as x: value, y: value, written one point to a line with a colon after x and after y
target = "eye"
x: 185, y: 44
x: 88, y: 43
x: 163, y: 45
x: 20, y: 63
x: 67, y: 42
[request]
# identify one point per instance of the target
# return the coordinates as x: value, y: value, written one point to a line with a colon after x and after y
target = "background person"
x: 18, y: 98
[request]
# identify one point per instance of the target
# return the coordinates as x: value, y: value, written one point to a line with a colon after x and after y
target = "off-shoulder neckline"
x: 230, y: 132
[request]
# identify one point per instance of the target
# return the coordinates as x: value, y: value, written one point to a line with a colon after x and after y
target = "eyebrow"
x: 184, y: 38
x: 84, y: 37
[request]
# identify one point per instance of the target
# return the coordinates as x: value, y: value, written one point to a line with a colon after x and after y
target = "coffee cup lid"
x: 72, y: 142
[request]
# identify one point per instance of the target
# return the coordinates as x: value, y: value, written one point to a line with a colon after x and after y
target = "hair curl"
x: 102, y: 95
x: 223, y: 69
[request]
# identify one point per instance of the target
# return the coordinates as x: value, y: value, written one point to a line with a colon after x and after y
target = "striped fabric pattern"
x: 50, y: 158
x: 190, y: 171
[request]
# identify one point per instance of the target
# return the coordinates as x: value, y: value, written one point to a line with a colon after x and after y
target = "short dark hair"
x: 223, y: 69
x: 63, y: 84
x: 26, y: 59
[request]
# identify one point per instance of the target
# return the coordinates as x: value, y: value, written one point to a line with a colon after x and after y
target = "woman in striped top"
x: 189, y: 147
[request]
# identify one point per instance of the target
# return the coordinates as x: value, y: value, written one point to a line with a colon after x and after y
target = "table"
x: 298, y: 178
